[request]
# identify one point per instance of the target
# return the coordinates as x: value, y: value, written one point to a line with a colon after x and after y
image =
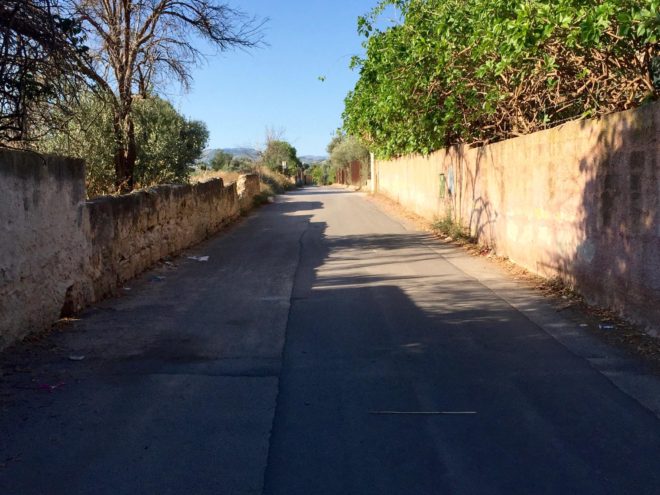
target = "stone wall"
x: 41, y: 238
x: 60, y: 253
x: 128, y: 234
x: 579, y: 201
x: 248, y: 188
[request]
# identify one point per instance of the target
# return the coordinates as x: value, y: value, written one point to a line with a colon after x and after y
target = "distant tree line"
x: 343, y: 151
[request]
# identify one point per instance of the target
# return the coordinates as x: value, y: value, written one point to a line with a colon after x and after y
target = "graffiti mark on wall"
x: 450, y: 180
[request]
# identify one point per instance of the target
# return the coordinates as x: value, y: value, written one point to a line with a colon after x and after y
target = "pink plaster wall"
x: 579, y: 201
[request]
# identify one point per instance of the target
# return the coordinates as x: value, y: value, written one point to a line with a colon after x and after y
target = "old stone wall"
x: 248, y: 187
x: 60, y: 253
x: 579, y: 201
x: 41, y: 239
x: 127, y: 234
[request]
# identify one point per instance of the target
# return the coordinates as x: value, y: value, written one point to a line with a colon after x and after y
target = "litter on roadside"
x: 607, y: 326
x: 50, y: 388
x: 198, y: 258
x: 75, y: 357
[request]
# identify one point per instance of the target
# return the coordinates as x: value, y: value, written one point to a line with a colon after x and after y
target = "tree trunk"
x: 125, y: 150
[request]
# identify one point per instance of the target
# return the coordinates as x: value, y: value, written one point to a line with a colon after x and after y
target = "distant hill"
x: 252, y: 154
x: 311, y: 159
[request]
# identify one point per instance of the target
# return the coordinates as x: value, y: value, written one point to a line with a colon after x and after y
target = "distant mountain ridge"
x: 252, y: 154
x: 311, y: 159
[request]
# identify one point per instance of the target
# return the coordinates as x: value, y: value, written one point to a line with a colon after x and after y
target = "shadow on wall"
x: 617, y: 261
x: 482, y: 215
x: 579, y: 201
x: 464, y: 195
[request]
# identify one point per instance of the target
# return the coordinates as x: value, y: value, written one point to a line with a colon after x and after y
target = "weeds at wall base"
x: 448, y: 229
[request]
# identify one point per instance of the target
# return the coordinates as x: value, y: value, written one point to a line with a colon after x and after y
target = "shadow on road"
x: 379, y: 323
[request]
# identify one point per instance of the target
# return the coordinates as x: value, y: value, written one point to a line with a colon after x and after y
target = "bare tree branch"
x: 139, y: 40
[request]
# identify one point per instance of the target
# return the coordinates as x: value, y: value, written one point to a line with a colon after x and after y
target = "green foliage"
x: 484, y: 70
x: 167, y: 143
x: 448, y: 227
x: 272, y: 181
x: 37, y: 66
x: 226, y: 161
x: 221, y: 160
x: 277, y: 152
x: 322, y: 173
x: 87, y: 133
x: 316, y: 171
x: 332, y: 175
x: 242, y: 165
x: 345, y: 149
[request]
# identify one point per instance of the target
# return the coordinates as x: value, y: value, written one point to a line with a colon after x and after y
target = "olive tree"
x: 167, y: 144
x: 136, y: 45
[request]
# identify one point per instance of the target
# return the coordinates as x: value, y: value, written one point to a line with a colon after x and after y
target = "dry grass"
x: 273, y: 182
x: 205, y: 175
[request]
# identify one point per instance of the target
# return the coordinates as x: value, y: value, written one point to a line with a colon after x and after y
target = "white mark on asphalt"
x: 422, y: 413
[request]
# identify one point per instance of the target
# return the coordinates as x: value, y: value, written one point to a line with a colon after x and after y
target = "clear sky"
x: 239, y: 94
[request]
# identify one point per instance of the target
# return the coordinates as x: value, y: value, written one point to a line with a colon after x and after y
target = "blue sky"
x: 240, y: 94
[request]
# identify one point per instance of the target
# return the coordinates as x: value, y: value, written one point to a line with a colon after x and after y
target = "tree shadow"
x: 396, y: 332
x: 590, y: 216
x: 616, y: 262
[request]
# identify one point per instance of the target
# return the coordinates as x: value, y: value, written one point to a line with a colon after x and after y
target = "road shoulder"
x: 631, y: 362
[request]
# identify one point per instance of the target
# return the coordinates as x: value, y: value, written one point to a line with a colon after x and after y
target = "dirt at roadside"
x: 601, y: 322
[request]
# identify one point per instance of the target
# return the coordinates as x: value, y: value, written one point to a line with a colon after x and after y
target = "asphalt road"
x: 326, y: 348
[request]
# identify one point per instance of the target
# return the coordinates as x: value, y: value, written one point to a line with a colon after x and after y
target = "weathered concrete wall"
x: 579, y: 201
x: 59, y: 253
x: 41, y: 239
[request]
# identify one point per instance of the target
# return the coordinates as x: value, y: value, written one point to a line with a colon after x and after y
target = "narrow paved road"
x: 316, y: 352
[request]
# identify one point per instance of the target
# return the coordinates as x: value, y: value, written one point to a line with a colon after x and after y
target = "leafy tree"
x: 138, y: 44
x: 221, y: 161
x: 335, y: 141
x: 278, y: 152
x: 242, y: 164
x: 345, y: 149
x: 86, y: 133
x: 316, y: 171
x: 167, y: 144
x: 323, y: 173
x: 478, y: 71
